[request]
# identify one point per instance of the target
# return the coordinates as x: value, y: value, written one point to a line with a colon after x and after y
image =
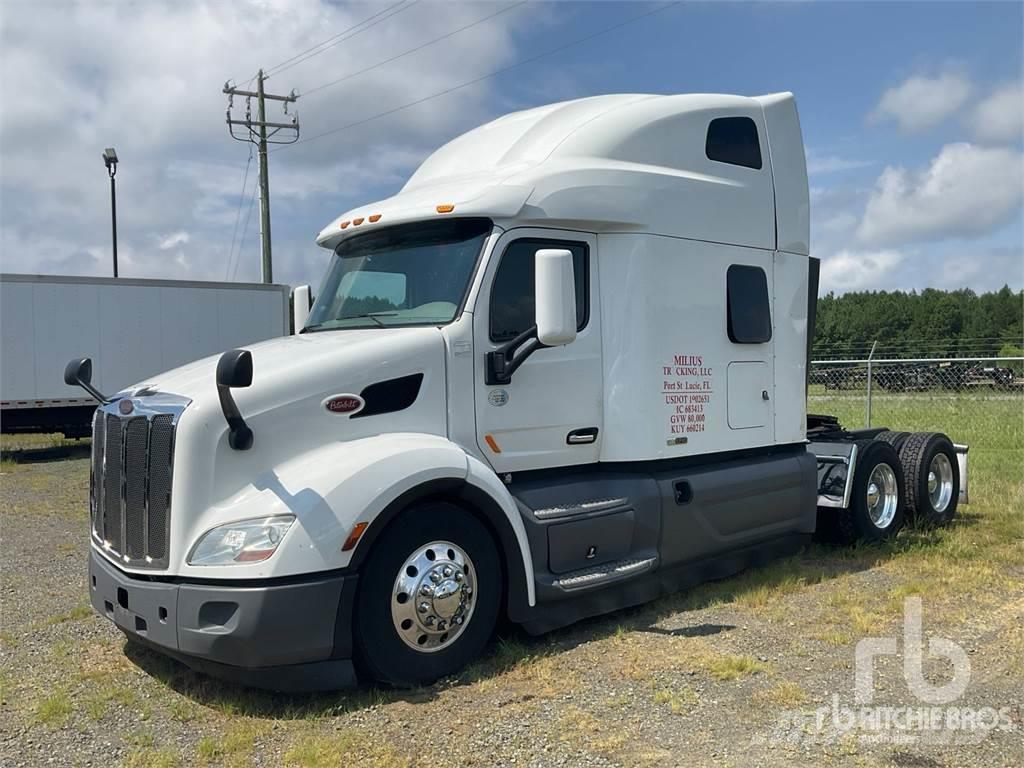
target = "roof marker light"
x: 344, y: 224
x: 358, y: 221
x: 445, y: 208
x: 374, y: 218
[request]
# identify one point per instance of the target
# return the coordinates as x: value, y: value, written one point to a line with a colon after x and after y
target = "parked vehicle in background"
x: 130, y: 328
x: 562, y: 371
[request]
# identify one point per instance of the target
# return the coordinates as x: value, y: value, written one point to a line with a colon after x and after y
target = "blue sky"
x: 910, y: 112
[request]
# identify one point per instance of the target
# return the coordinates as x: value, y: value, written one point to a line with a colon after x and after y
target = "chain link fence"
x: 979, y: 401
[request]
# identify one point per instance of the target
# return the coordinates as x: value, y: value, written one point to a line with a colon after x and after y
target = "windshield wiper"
x: 371, y: 315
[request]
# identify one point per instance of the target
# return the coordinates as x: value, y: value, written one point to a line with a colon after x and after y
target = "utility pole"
x: 257, y: 134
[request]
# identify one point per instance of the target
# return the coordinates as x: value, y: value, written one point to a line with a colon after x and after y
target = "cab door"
x: 550, y: 413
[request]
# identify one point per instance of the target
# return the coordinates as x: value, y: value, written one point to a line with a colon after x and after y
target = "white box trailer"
x: 562, y: 371
x: 130, y: 328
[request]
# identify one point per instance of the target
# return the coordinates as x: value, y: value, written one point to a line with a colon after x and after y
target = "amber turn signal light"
x: 353, y: 538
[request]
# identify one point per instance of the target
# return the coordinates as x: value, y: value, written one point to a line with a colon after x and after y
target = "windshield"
x: 412, y: 274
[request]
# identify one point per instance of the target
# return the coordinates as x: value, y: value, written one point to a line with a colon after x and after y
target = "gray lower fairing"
x: 607, y: 536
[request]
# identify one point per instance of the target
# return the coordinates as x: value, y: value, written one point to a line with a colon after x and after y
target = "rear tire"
x: 895, y: 439
x: 932, y: 483
x: 876, y: 511
x: 429, y: 596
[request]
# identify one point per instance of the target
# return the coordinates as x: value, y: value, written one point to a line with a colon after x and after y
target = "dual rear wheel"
x: 899, y: 476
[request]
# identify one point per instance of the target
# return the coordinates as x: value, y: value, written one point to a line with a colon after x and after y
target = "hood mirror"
x: 78, y: 373
x: 234, y: 369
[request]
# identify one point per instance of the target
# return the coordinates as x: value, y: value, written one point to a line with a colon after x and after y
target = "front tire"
x: 428, y: 597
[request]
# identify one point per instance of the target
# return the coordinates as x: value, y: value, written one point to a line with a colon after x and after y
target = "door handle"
x: 581, y: 436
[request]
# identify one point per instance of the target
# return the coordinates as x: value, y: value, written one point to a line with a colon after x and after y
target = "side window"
x: 749, y: 316
x: 734, y: 140
x: 512, y: 295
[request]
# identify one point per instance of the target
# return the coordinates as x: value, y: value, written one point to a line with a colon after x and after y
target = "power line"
x: 342, y: 36
x: 245, y: 230
x: 237, y: 254
x: 489, y: 75
x: 420, y: 47
x: 238, y: 213
x: 302, y: 53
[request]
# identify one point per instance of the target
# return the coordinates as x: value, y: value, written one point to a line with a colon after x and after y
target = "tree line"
x: 932, y: 323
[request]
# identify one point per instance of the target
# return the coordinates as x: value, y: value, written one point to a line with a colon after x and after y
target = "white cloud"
x: 967, y: 191
x: 818, y: 163
x: 178, y: 238
x: 1000, y: 116
x: 857, y: 270
x: 921, y: 102
x: 80, y: 77
x: 841, y: 223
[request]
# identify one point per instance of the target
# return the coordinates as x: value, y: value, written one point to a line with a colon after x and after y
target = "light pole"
x: 110, y: 160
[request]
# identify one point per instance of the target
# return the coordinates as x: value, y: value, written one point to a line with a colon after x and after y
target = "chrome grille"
x: 130, y: 483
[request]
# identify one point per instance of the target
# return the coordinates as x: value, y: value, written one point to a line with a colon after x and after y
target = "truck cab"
x: 562, y: 371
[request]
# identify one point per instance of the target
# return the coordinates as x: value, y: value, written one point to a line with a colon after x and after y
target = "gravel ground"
x: 729, y: 674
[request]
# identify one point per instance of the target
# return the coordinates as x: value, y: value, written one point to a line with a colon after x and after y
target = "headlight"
x: 244, y: 541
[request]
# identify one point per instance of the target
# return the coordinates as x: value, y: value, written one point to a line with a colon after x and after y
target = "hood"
x: 301, y: 364
x: 294, y: 376
x: 286, y: 406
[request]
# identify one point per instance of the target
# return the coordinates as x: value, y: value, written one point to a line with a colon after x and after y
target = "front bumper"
x: 285, y: 635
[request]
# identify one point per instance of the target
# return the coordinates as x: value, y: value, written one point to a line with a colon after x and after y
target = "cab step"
x: 600, y: 575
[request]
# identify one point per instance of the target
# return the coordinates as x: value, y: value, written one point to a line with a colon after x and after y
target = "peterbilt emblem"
x: 344, y: 405
x: 125, y: 406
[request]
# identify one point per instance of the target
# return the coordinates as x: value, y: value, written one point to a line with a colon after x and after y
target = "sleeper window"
x: 749, y: 316
x: 734, y: 140
x: 512, y: 296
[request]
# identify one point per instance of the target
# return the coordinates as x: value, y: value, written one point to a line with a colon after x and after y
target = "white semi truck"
x: 562, y: 371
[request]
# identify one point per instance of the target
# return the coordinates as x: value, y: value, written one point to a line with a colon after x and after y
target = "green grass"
x: 77, y: 613
x: 54, y: 710
x: 678, y: 701
x: 732, y: 667
x: 318, y: 750
x: 785, y: 694
x: 985, y: 421
x: 151, y: 757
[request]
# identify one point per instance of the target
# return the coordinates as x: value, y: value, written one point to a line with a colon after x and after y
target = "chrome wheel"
x: 882, y: 496
x: 433, y: 597
x: 940, y: 482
